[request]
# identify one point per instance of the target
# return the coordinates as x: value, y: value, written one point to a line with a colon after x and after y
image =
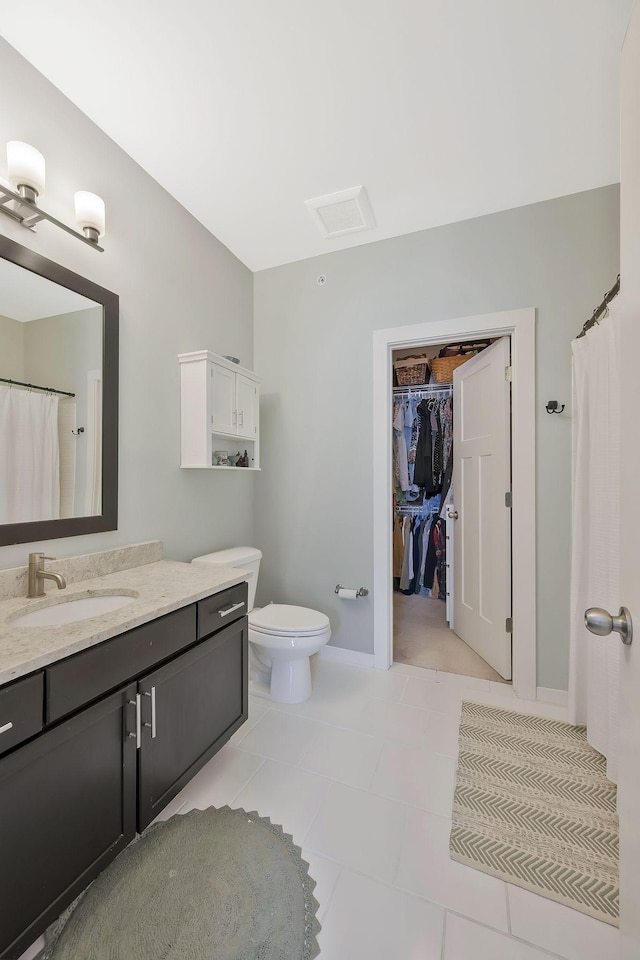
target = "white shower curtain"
x: 29, y: 456
x: 593, y: 661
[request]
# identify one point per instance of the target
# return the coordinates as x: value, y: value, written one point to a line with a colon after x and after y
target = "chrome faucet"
x: 37, y: 575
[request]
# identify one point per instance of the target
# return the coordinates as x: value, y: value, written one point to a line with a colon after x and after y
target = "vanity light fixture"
x: 90, y: 214
x: 26, y: 170
x: 18, y: 197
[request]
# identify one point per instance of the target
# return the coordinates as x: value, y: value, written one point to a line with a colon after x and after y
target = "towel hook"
x: 554, y: 407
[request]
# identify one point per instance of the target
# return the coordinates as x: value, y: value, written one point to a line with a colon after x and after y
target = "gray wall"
x: 180, y: 289
x: 313, y: 346
x: 11, y: 349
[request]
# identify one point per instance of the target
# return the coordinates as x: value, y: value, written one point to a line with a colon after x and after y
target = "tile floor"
x: 362, y: 775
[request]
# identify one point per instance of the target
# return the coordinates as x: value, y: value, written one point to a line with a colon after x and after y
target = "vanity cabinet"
x: 67, y: 808
x: 186, y: 706
x: 219, y: 410
x: 127, y: 724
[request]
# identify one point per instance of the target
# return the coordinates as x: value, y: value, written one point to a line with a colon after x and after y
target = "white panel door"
x: 246, y: 399
x: 628, y: 309
x: 482, y: 529
x: 223, y: 399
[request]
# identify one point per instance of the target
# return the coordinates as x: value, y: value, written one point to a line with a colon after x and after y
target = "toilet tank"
x: 248, y: 558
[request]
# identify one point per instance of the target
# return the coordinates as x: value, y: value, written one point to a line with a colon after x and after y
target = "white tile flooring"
x: 362, y: 775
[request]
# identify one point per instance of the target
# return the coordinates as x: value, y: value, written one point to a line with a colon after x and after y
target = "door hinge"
x: 508, y: 499
x: 508, y: 625
x: 508, y: 373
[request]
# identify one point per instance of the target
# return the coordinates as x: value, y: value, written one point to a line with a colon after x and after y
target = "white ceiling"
x: 244, y: 109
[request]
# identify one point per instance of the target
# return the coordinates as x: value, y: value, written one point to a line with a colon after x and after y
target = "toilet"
x: 282, y: 637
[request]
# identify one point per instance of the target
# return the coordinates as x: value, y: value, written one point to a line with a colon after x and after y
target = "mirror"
x: 58, y: 400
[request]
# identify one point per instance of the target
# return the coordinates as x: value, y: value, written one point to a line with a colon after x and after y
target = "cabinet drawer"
x: 21, y: 705
x: 221, y: 609
x: 87, y: 675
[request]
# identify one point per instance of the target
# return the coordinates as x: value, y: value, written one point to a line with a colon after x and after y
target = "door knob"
x: 601, y: 623
x: 453, y: 514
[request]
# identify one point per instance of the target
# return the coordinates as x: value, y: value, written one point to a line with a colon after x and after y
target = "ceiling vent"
x: 337, y: 214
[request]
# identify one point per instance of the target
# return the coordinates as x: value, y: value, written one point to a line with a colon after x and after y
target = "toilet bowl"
x: 282, y: 636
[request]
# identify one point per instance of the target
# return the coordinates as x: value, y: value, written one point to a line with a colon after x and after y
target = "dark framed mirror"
x: 58, y: 400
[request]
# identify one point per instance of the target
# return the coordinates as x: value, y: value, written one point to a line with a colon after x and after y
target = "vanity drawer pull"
x: 6, y: 727
x: 232, y: 609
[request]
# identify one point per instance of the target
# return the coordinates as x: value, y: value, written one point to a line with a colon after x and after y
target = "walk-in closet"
x: 426, y: 434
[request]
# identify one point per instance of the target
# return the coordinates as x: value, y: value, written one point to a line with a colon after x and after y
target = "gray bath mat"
x: 215, y: 884
x: 533, y: 807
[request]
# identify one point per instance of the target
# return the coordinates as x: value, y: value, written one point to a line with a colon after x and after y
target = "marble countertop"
x: 161, y: 587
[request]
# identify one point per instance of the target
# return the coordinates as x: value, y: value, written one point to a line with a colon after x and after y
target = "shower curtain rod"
x: 33, y: 386
x: 597, y: 313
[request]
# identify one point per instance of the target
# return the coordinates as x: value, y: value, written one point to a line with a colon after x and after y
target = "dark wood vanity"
x: 101, y: 741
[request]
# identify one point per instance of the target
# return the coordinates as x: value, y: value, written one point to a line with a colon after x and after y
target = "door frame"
x: 520, y: 326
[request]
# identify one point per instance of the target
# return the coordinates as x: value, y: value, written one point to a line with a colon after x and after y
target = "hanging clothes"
x: 423, y: 476
x: 423, y: 464
x: 398, y: 546
x: 401, y: 459
x: 436, y: 564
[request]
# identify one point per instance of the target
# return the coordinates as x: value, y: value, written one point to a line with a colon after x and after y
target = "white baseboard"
x: 549, y: 695
x: 342, y: 655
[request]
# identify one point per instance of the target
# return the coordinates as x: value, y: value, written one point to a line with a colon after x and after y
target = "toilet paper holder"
x: 360, y: 592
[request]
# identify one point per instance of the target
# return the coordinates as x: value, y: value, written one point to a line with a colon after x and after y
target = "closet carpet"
x: 422, y: 637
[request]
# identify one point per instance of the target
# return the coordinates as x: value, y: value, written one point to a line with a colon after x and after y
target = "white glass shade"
x: 90, y: 211
x: 26, y: 166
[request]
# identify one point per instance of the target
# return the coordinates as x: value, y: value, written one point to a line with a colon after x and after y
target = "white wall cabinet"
x: 219, y: 410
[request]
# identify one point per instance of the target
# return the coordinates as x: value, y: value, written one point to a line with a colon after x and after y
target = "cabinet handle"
x: 136, y: 703
x: 227, y: 610
x: 242, y: 418
x: 6, y: 727
x: 235, y: 416
x: 153, y: 712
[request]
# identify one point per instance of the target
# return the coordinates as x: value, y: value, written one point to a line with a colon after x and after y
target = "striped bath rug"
x: 533, y: 807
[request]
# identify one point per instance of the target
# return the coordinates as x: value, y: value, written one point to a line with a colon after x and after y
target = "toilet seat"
x: 287, y: 620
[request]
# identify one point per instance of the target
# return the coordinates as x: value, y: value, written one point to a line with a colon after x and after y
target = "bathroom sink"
x: 69, y: 611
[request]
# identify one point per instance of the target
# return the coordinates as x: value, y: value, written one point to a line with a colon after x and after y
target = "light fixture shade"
x: 90, y: 212
x: 26, y: 166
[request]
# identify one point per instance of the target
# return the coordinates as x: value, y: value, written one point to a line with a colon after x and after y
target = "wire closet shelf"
x: 423, y: 391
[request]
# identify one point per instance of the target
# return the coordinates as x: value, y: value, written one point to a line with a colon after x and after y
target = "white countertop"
x: 161, y: 587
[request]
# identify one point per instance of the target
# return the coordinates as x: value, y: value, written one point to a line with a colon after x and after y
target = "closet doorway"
x: 451, y: 508
x: 519, y: 326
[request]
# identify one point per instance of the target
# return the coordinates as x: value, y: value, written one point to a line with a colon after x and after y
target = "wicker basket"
x: 411, y: 370
x: 443, y: 367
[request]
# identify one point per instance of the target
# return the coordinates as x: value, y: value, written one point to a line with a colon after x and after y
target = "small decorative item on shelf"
x: 220, y: 458
x: 244, y: 460
x: 233, y: 458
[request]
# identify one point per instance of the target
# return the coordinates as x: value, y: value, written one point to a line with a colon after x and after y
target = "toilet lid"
x: 284, y: 619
